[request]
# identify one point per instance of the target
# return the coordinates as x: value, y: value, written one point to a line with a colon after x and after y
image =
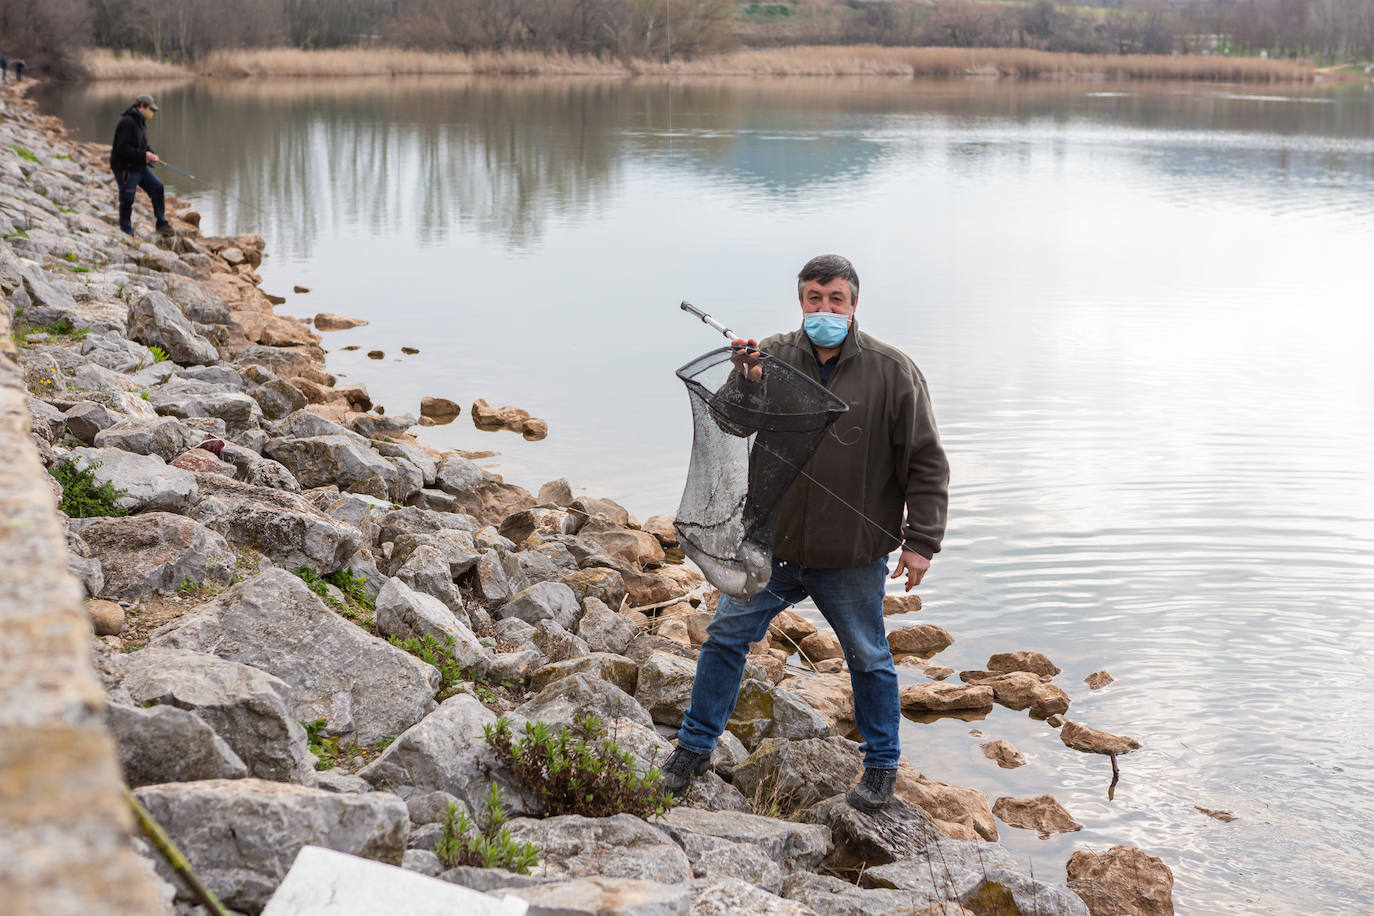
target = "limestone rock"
x: 938, y: 698
x: 321, y: 460
x: 327, y: 321
x: 960, y: 812
x: 165, y: 437
x: 188, y: 399
x: 362, y: 686
x: 566, y: 699
x: 604, y: 630
x: 454, y: 545
x: 725, y: 896
x: 154, y: 320
x: 167, y: 744
x: 447, y: 752
x: 1123, y: 881
x: 426, y: 570
x: 835, y: 897
x: 405, y: 613
x: 251, y: 710
x: 622, y: 846
x: 543, y: 601
x: 150, y: 485
x: 85, y: 419
x: 792, y: 627
x: 901, y: 604
x: 821, y: 645
x: 665, y: 687
x: 1092, y: 741
x: 156, y: 551
x: 792, y: 846
x: 799, y: 773
x: 277, y: 398
x: 1041, y: 813
x: 863, y: 841
x: 830, y: 694
x: 617, y: 669
x: 983, y: 878
x: 1021, y: 689
x: 1004, y: 752
x: 1034, y: 662
x: 603, y: 896
x: 638, y: 548
x: 605, y: 585
x: 480, y: 493
x: 921, y: 639
x: 242, y: 835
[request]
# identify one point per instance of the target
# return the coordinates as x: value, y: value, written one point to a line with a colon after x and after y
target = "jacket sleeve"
x: 921, y: 467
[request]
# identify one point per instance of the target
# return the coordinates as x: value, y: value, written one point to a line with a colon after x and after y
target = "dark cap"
x: 145, y: 99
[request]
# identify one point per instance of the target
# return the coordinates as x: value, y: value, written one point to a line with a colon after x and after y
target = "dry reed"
x: 101, y: 64
x: 798, y: 61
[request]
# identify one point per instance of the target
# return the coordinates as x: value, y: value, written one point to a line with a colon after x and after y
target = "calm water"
x: 1144, y: 312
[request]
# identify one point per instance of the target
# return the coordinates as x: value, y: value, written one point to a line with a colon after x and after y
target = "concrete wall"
x: 64, y: 828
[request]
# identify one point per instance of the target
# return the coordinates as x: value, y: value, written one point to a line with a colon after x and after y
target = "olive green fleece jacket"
x: 882, y: 458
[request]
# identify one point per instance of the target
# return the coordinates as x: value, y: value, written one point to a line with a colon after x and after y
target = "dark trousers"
x: 129, y: 183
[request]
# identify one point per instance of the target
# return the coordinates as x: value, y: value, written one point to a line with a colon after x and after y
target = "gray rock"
x: 604, y: 630
x: 268, y: 473
x: 353, y: 509
x: 436, y: 500
x: 49, y: 302
x: 716, y: 858
x: 277, y: 398
x: 432, y: 807
x: 404, y: 613
x: 165, y: 437
x: 85, y: 419
x: 337, y: 780
x: 665, y: 686
x: 115, y: 352
x: 411, y: 519
x: 515, y: 666
x: 425, y: 837
x: 447, y: 752
x: 602, y: 896
x: 454, y: 545
x: 427, y: 571
x: 414, y: 454
x: 422, y: 861
x: 797, y: 774
x: 304, y: 424
x: 793, y: 846
x: 46, y: 420
x: 242, y: 835
x: 497, y: 576
x: 338, y: 460
x: 282, y: 526
x: 166, y: 744
x: 622, y: 846
x: 862, y: 840
x: 566, y: 700
x: 142, y: 554
x: 617, y: 669
x: 795, y: 719
x: 725, y: 896
x: 543, y: 601
x: 489, y: 879
x: 547, y: 563
x: 605, y: 585
x: 150, y: 484
x: 155, y: 321
x: 221, y: 376
x: 94, y: 377
x: 973, y: 873
x: 729, y: 752
x: 251, y: 710
x: 374, y: 427
x: 365, y: 688
x: 188, y: 399
x: 835, y: 897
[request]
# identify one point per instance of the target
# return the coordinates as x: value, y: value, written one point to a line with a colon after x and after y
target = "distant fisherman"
x: 4, y: 69
x: 133, y: 161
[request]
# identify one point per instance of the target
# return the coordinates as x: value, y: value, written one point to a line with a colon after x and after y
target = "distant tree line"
x: 50, y: 33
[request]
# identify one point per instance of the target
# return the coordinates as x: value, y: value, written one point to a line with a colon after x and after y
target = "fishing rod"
x: 207, y: 185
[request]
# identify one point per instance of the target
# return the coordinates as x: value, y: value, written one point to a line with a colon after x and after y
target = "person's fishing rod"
x: 708, y: 320
x: 206, y: 184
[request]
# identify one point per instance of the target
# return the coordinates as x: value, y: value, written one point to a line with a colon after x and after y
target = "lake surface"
x: 1145, y: 313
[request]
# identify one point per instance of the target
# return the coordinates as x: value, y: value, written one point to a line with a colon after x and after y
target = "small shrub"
x: 578, y: 771
x: 24, y: 153
x: 353, y: 586
x: 491, y: 846
x: 82, y: 497
x: 159, y: 354
x: 188, y: 586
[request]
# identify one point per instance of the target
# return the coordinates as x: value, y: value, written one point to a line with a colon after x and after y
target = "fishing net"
x: 751, y: 440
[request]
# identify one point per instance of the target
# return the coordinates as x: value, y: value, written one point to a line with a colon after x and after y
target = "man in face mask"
x: 878, y: 483
x: 132, y: 161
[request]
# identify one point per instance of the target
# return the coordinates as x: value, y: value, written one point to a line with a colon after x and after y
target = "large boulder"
x: 863, y: 840
x: 426, y: 571
x: 405, y: 614
x: 565, y: 700
x: 1024, y: 660
x: 617, y: 669
x: 453, y: 544
x: 282, y: 526
x: 832, y: 695
x: 624, y: 544
x: 791, y: 845
x: 363, y: 687
x: 448, y: 752
x: 928, y: 699
x: 140, y: 555
x: 166, y: 744
x: 150, y: 484
x: 543, y: 601
x: 165, y: 437
x: 604, y: 630
x: 962, y: 813
x: 252, y: 710
x: 186, y: 399
x: 665, y: 687
x: 155, y: 321
x: 796, y: 774
x: 322, y: 460
x: 242, y: 835
x: 478, y: 492
x: 622, y: 846
x: 921, y: 639
x: 1022, y: 690
x: 982, y: 878
x: 1123, y: 881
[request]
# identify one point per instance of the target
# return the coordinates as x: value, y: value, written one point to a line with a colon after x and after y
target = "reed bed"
x: 102, y: 64
x: 798, y: 61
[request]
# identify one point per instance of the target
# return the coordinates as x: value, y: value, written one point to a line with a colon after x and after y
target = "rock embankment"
x: 314, y: 621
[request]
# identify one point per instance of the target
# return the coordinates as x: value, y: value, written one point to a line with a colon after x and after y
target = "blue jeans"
x: 129, y: 183
x: 851, y: 600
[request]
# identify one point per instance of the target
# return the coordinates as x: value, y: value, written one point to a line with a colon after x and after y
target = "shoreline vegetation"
x: 808, y: 61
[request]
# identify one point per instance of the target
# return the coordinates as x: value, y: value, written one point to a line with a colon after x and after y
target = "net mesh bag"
x: 750, y: 440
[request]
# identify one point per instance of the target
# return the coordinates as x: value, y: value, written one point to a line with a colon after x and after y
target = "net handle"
x: 706, y: 319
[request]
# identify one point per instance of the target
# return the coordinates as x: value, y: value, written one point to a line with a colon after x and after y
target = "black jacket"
x: 128, y: 152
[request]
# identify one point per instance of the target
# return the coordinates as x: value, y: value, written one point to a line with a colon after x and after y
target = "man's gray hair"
x: 826, y: 267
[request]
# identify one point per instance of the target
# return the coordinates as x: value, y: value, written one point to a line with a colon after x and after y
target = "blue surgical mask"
x: 826, y: 329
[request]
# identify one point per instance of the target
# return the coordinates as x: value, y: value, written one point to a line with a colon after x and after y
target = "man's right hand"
x: 152, y: 157
x: 747, y: 359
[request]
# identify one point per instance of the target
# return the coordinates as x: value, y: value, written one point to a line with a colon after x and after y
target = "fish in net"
x: 750, y: 441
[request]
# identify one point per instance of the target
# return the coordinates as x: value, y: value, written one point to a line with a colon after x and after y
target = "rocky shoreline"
x: 307, y: 621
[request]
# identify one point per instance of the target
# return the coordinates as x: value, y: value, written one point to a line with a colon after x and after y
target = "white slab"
x: 323, y: 882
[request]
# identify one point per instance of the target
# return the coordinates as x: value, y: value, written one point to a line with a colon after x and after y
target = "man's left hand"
x: 914, y: 565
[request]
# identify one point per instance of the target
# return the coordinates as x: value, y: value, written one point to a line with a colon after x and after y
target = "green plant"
x: 188, y: 586
x: 353, y: 586
x: 17, y: 234
x: 578, y: 771
x: 24, y: 153
x: 316, y: 584
x: 82, y: 496
x: 159, y: 354
x: 70, y: 257
x: 326, y: 749
x: 462, y: 842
